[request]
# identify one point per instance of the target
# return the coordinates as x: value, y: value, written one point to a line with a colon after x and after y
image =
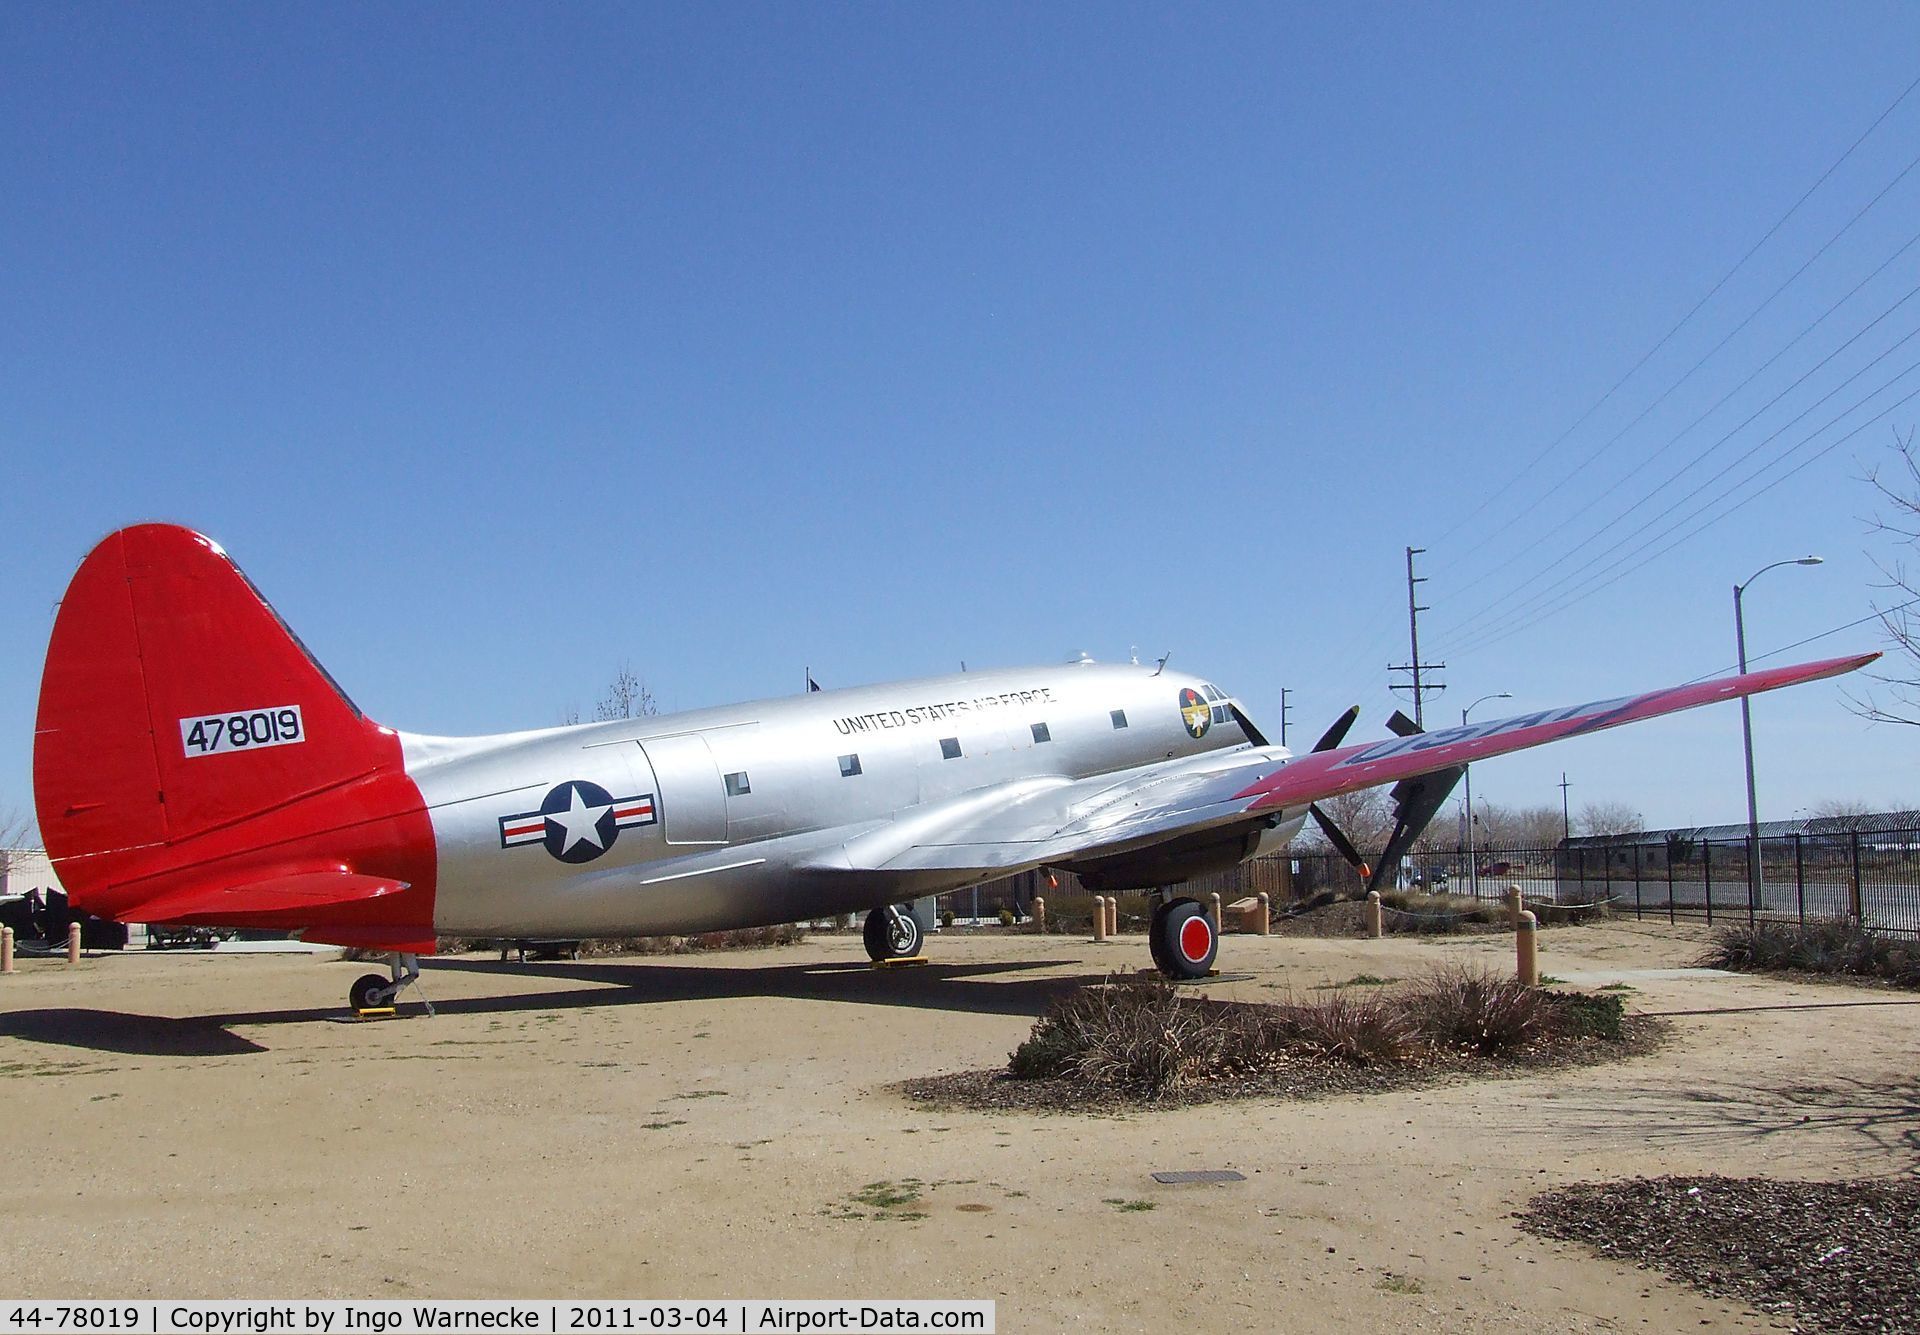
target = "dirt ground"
x: 212, y: 1126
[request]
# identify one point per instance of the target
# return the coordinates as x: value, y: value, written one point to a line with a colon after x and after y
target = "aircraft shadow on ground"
x: 126, y: 1032
x: 939, y: 987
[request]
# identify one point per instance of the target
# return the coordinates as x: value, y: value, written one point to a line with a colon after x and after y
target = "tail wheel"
x: 1184, y: 942
x: 366, y: 990
x: 891, y: 934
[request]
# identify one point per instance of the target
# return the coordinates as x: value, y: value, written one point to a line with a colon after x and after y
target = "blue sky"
x: 503, y: 344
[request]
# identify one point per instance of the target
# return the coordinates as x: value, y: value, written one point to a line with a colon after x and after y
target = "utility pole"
x: 1421, y: 685
x: 1284, y: 708
x: 1566, y: 823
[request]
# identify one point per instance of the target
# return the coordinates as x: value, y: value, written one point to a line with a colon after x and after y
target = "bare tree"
x: 1845, y: 813
x: 1609, y: 818
x: 1518, y: 827
x: 627, y: 697
x: 1899, y: 523
x: 16, y: 833
x: 1366, y: 817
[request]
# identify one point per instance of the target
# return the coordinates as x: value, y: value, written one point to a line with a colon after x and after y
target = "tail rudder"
x: 181, y: 723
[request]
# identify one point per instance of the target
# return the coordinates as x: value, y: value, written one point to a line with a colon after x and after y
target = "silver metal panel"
x: 693, y: 803
x: 768, y: 856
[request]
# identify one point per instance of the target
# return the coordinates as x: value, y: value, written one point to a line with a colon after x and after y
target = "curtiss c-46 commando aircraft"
x: 193, y: 765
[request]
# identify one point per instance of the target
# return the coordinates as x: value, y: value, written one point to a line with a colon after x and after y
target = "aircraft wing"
x: 1041, y: 822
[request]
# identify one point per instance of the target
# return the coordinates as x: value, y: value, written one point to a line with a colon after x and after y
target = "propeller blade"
x: 1338, y: 732
x: 1337, y: 837
x: 1254, y: 734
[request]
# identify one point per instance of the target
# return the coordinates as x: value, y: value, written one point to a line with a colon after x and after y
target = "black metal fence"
x: 1867, y: 876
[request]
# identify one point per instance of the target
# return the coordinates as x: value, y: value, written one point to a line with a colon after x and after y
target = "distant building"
x: 1652, y: 852
x: 24, y: 869
x: 27, y: 869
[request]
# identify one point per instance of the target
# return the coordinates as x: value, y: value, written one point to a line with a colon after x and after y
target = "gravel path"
x: 1831, y: 1256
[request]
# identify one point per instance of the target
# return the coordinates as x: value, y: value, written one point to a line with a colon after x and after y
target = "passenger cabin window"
x: 1040, y: 733
x: 950, y: 748
x: 849, y: 766
x: 737, y: 785
x: 1119, y: 717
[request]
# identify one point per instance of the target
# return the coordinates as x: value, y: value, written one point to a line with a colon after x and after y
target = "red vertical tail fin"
x: 187, y: 741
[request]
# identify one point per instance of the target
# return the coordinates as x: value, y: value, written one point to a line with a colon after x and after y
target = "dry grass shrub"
x: 1138, y: 1034
x: 1844, y: 948
x: 1462, y: 1007
x: 1141, y: 1034
x: 1364, y: 1028
x: 1441, y: 915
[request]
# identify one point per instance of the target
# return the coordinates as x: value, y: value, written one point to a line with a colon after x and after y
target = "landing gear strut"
x: 891, y: 934
x: 1182, y: 940
x: 370, y: 990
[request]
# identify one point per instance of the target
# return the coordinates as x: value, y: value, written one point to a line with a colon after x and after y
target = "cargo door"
x: 693, y: 804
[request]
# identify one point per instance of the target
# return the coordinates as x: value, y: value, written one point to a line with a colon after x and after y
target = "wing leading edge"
x: 1034, y: 823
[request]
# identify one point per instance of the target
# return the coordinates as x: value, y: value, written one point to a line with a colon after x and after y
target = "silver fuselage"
x: 736, y: 797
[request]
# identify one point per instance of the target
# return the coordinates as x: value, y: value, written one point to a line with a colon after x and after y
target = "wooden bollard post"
x: 1113, y: 915
x: 1263, y: 915
x: 73, y: 943
x: 1526, y: 946
x: 1099, y: 917
x: 6, y: 950
x: 1040, y: 914
x: 1373, y: 914
x: 1213, y: 910
x: 1514, y: 907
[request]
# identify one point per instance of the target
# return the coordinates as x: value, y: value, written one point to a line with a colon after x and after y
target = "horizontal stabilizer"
x: 307, y: 896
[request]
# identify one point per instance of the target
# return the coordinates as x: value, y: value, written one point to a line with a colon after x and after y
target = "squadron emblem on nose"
x: 1195, y: 711
x: 578, y: 821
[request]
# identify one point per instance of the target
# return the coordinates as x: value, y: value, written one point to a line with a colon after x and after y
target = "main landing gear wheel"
x: 891, y: 934
x: 368, y: 991
x: 1183, y: 940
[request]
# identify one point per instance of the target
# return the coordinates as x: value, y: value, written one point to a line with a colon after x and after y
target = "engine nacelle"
x: 1171, y: 863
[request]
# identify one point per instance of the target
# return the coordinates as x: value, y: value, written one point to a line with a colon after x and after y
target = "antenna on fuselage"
x: 1161, y: 666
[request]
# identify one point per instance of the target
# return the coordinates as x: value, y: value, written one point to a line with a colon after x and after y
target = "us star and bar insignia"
x: 577, y: 821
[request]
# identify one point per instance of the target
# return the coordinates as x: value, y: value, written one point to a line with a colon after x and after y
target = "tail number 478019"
x: 248, y: 730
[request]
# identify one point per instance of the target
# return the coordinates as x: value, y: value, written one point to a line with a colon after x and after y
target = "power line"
x: 1494, y: 608
x: 1678, y: 436
x: 1626, y: 565
x: 1799, y: 644
x: 1667, y: 337
x: 1581, y: 594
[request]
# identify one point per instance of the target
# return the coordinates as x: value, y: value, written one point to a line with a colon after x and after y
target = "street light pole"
x: 1473, y: 863
x: 1746, y: 730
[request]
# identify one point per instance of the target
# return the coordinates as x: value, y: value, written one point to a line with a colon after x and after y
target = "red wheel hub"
x: 1196, y: 938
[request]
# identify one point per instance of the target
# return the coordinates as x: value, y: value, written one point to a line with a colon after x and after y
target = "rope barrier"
x: 1584, y: 904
